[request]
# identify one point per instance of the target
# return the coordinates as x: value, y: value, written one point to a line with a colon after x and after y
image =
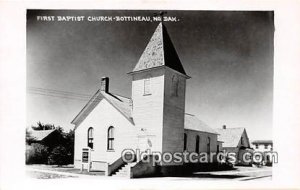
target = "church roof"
x: 39, y: 135
x: 191, y: 122
x: 121, y: 103
x: 160, y: 51
x: 230, y: 136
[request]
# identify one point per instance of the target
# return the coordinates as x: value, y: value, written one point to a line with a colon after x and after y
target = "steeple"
x: 160, y: 51
x: 158, y: 95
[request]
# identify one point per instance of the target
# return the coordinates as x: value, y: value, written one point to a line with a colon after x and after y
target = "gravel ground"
x: 43, y: 175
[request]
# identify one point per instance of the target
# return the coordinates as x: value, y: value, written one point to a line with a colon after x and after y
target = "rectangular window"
x: 184, y: 141
x: 147, y: 86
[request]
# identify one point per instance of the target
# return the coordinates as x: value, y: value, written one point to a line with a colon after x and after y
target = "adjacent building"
x: 262, y: 145
x: 265, y: 147
x: 234, y: 140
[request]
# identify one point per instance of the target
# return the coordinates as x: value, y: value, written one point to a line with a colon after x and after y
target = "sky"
x: 228, y: 54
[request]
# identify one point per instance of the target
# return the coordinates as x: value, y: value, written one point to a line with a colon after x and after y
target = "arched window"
x: 197, y: 144
x: 175, y: 86
x: 110, y: 138
x: 90, y: 137
x: 184, y: 141
x: 147, y: 86
x: 208, y: 145
x: 242, y: 141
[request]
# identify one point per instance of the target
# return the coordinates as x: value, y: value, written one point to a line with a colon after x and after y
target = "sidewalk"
x: 240, y: 174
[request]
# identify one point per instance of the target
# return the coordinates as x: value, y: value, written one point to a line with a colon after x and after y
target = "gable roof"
x: 230, y: 136
x: 160, y: 51
x: 39, y: 135
x: 191, y: 122
x: 121, y: 103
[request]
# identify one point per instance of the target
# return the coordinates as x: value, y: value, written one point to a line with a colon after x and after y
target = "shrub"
x: 59, y: 156
x: 37, y: 154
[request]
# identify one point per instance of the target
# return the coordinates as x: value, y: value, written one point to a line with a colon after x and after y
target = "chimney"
x: 104, y: 84
x: 224, y: 126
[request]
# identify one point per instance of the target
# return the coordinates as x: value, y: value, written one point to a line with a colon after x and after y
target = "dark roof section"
x: 122, y: 104
x: 262, y: 142
x: 39, y: 135
x: 230, y: 136
x: 160, y: 51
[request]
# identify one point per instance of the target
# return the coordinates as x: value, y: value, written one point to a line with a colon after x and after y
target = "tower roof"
x: 160, y: 51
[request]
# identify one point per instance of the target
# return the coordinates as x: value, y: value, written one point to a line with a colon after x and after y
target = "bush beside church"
x: 47, y: 144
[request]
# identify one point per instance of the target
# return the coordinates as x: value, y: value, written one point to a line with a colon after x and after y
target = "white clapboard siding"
x: 101, y: 118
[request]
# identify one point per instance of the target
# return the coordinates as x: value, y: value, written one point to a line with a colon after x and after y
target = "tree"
x: 69, y: 145
x: 41, y: 126
x: 29, y: 138
x: 58, y: 156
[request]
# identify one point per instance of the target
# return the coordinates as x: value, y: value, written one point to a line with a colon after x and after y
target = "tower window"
x: 184, y: 141
x: 197, y: 144
x: 110, y: 138
x: 147, y: 86
x: 90, y: 137
x: 175, y: 85
x: 208, y: 145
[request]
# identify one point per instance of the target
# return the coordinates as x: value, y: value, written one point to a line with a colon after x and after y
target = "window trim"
x: 90, y: 138
x: 147, y: 90
x: 110, y: 138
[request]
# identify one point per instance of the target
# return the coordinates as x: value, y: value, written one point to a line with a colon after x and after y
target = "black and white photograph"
x: 149, y: 96
x: 133, y: 94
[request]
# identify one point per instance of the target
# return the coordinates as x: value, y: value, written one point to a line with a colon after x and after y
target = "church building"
x: 153, y: 118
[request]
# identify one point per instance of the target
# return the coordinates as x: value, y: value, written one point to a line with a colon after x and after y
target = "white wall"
x: 161, y: 114
x: 261, y: 147
x: 148, y: 109
x: 103, y: 116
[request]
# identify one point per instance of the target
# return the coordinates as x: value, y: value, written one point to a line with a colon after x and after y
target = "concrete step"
x: 124, y: 170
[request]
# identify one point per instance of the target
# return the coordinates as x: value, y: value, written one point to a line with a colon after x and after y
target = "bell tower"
x: 158, y: 95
